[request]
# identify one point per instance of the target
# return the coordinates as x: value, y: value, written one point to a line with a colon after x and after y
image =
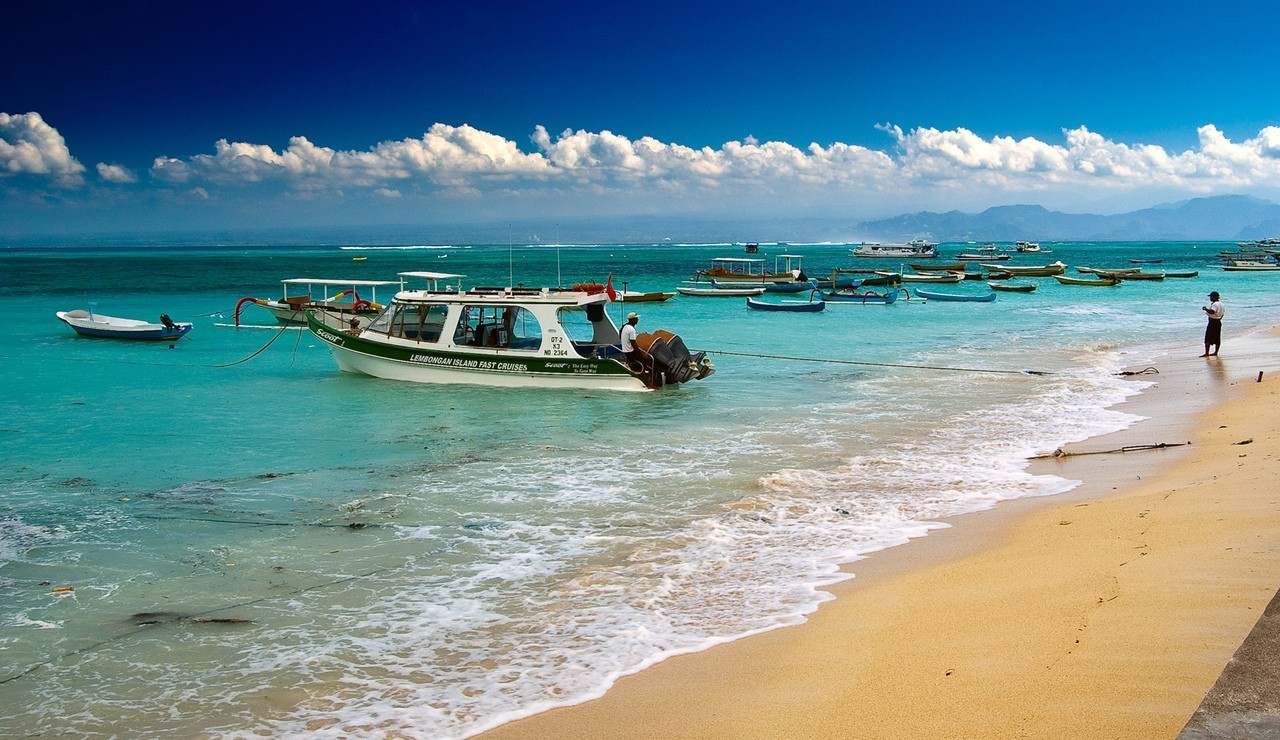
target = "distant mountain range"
x: 1219, y: 218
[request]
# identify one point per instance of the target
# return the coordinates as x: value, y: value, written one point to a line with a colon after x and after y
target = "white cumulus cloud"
x: 28, y: 145
x: 116, y: 173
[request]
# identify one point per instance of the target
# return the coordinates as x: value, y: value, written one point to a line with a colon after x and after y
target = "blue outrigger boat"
x: 870, y: 296
x: 795, y: 307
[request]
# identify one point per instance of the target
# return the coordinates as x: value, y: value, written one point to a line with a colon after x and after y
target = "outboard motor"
x: 671, y: 361
x: 168, y: 322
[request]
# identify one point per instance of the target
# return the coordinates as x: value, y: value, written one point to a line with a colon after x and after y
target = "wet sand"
x: 1108, y: 611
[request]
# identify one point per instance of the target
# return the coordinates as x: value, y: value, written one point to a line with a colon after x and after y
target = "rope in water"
x: 878, y: 364
x: 260, y: 350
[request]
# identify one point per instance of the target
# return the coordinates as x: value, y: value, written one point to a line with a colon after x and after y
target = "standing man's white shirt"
x: 628, y: 334
x: 1217, y: 310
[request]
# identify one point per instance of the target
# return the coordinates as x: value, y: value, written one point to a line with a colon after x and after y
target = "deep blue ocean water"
x: 435, y: 560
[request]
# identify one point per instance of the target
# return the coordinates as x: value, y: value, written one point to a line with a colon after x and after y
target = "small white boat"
x: 1246, y: 266
x: 509, y: 337
x: 909, y: 277
x: 653, y: 296
x: 986, y: 252
x: 89, y: 324
x: 719, y: 292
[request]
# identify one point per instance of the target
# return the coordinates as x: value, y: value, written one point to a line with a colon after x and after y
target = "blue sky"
x: 147, y: 115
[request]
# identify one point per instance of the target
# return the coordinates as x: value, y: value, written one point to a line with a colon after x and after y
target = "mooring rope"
x: 878, y: 364
x: 260, y: 350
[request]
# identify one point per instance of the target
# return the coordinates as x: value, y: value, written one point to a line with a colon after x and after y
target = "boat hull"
x: 934, y: 296
x: 720, y: 292
x: 811, y: 307
x: 1028, y: 288
x: 1056, y: 268
x: 1099, y: 282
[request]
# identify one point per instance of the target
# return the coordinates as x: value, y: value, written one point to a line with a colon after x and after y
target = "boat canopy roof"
x: 327, y: 281
x: 505, y: 296
x: 432, y: 275
x: 752, y: 260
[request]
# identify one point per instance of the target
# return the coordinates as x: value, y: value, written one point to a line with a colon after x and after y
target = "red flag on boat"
x: 608, y: 288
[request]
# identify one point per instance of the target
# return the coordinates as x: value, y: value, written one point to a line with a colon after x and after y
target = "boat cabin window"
x: 507, y: 327
x: 420, y: 322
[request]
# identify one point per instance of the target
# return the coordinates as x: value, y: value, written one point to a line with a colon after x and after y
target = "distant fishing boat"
x: 958, y: 297
x: 792, y: 306
x: 908, y: 277
x: 839, y: 296
x: 719, y: 292
x: 1100, y: 281
x: 655, y: 296
x: 1056, y: 268
x: 1012, y: 288
x: 751, y: 270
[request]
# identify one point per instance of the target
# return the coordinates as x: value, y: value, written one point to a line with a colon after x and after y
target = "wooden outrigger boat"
x: 953, y: 267
x: 750, y: 270
x: 335, y: 311
x: 1012, y: 288
x: 509, y: 337
x: 1125, y: 274
x: 1099, y: 281
x: 1056, y: 268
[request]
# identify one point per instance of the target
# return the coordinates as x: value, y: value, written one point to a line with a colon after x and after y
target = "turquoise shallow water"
x: 435, y: 560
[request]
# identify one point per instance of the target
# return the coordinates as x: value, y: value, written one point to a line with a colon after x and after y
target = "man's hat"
x: 1214, y: 294
x: 632, y: 315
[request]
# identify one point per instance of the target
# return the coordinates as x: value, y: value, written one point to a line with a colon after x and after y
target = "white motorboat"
x: 89, y: 324
x: 510, y: 337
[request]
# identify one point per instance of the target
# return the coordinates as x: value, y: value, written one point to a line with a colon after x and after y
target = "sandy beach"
x: 1108, y: 611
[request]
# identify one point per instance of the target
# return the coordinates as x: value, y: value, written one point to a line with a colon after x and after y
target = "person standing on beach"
x: 1213, y: 332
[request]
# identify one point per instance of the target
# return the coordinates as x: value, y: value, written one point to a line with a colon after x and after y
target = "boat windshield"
x: 421, y: 322
x: 508, y: 327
